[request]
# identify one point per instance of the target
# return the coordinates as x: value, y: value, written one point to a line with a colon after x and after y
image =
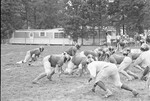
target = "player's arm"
x: 73, y: 51
x: 33, y: 57
x: 137, y: 62
x: 146, y: 71
x: 92, y: 73
x: 139, y: 67
x: 59, y: 67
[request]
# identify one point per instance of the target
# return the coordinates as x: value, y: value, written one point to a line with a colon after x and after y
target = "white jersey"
x: 96, y: 66
x: 144, y: 59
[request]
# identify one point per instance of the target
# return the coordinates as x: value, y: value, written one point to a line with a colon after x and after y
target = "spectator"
x: 148, y: 38
x: 118, y: 37
x: 108, y: 39
x: 138, y: 38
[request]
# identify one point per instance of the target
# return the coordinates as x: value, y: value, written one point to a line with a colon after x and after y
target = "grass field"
x: 16, y: 80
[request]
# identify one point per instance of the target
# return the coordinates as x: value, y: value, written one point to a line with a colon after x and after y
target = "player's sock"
x: 125, y: 87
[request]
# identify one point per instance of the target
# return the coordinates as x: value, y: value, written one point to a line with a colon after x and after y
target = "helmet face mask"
x: 125, y: 53
x: 78, y: 46
x: 41, y: 49
x: 144, y: 49
x: 128, y: 50
x: 66, y: 57
x: 90, y: 58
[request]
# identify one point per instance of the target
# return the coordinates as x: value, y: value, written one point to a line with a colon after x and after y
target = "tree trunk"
x: 99, y: 30
x: 93, y: 40
x: 118, y: 29
x: 26, y: 10
x: 34, y: 17
x: 82, y: 41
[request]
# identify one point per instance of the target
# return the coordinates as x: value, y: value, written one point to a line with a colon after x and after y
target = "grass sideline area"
x: 16, y: 80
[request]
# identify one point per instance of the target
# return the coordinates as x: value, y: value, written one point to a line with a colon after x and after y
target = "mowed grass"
x: 16, y: 80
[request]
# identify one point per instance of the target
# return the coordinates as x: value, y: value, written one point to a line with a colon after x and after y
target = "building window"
x: 59, y: 35
x: 31, y: 35
x: 42, y: 34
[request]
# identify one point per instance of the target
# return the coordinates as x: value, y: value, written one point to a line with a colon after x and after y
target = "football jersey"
x: 56, y: 59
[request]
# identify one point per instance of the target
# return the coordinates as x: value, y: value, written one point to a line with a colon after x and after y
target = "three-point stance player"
x: 32, y: 54
x: 73, y: 50
x: 52, y: 62
x: 126, y: 64
x: 101, y: 70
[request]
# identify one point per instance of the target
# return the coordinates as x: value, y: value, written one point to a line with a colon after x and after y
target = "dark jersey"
x: 72, y: 51
x: 87, y: 52
x: 56, y: 60
x: 115, y: 58
x: 35, y: 51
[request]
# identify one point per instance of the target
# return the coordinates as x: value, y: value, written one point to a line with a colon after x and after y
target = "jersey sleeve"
x: 92, y: 70
x: 83, y: 64
x: 138, y: 60
x: 73, y: 51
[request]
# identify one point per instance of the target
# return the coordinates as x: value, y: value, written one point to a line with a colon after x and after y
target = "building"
x: 39, y: 36
x: 56, y: 37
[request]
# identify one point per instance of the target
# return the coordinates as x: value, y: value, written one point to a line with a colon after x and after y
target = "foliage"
x: 78, y: 17
x: 131, y: 13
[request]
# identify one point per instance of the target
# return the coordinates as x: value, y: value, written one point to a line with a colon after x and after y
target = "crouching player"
x: 102, y: 70
x: 52, y: 62
x: 126, y: 64
x: 143, y: 61
x: 32, y: 55
x: 73, y: 50
x: 77, y: 64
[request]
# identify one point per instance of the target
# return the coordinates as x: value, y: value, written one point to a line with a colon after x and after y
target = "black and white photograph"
x: 75, y: 50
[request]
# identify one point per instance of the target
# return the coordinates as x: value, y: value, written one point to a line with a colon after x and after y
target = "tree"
x: 18, y: 14
x: 73, y: 21
x: 128, y: 13
x: 146, y: 10
x: 11, y: 18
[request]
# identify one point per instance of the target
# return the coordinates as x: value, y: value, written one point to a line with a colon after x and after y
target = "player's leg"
x: 132, y: 74
x: 117, y: 82
x: 146, y: 71
x: 123, y: 67
x: 148, y: 84
x: 69, y: 68
x: 47, y: 68
x: 80, y: 69
x: 42, y: 75
x: 128, y: 65
x: 103, y: 74
x: 125, y: 87
x: 27, y: 57
x: 33, y: 58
